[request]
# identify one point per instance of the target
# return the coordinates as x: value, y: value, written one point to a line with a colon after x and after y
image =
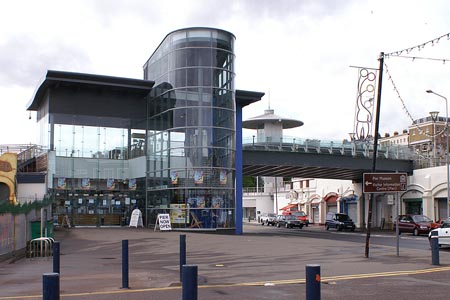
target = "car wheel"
x: 339, y: 228
x: 306, y: 225
x: 301, y: 226
x: 416, y: 232
x: 353, y: 228
x: 286, y: 225
x: 262, y: 223
x: 327, y: 227
x: 278, y: 225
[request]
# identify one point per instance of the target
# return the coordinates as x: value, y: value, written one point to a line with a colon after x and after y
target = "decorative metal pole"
x: 375, y: 148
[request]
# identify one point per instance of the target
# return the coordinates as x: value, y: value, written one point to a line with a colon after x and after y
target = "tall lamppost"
x: 446, y: 149
x: 434, y: 117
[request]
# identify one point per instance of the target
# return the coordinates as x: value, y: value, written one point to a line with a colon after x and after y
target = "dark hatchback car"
x: 339, y: 221
x: 289, y: 221
x: 415, y: 224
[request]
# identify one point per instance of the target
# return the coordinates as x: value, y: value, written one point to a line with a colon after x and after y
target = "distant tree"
x: 249, y: 181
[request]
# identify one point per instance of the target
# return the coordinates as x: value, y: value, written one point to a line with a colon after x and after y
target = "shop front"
x: 349, y: 206
x: 92, y: 207
x: 331, y: 202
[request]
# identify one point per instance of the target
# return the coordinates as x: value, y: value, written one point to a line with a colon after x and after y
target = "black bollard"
x: 56, y: 257
x: 312, y: 282
x: 434, y: 248
x: 182, y: 254
x: 50, y: 286
x: 190, y: 282
x: 124, y: 264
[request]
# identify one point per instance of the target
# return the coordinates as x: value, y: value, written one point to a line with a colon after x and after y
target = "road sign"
x: 384, y: 182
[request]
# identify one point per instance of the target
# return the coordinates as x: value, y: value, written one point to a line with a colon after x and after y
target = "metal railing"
x: 329, y: 147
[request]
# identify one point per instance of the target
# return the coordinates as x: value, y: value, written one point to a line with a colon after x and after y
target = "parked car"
x: 438, y: 223
x: 302, y: 216
x: 289, y: 221
x: 443, y: 233
x: 415, y: 224
x: 268, y: 219
x: 339, y: 221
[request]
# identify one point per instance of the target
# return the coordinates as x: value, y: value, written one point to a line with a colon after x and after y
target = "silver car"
x: 268, y: 219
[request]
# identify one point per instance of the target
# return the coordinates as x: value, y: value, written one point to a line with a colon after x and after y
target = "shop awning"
x: 289, y: 206
x: 331, y: 198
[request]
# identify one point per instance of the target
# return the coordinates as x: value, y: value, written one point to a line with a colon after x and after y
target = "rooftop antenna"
x: 269, y: 98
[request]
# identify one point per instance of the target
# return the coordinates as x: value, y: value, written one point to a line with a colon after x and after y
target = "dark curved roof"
x: 270, y: 117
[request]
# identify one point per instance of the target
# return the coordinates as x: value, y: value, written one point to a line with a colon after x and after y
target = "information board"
x: 163, y: 221
x: 136, y: 218
x: 384, y: 182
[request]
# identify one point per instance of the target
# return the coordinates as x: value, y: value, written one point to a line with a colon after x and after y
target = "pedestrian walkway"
x: 91, y: 263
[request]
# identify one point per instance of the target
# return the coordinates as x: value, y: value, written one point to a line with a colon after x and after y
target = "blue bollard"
x: 190, y: 282
x: 124, y: 264
x: 434, y: 248
x: 56, y: 257
x: 182, y: 254
x: 312, y: 282
x: 50, y: 286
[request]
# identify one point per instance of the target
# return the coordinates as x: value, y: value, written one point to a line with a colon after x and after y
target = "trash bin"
x: 35, y: 229
x: 47, y: 231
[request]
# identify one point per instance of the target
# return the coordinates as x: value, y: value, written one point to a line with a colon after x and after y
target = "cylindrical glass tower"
x: 191, y: 129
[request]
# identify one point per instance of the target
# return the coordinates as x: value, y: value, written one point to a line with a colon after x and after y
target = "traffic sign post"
x: 384, y: 182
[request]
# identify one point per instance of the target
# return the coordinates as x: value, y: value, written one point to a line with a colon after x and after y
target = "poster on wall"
x: 216, y: 202
x: 61, y: 184
x: 223, y: 177
x: 110, y: 183
x: 132, y: 184
x: 85, y: 183
x: 196, y: 202
x: 178, y: 213
x: 174, y: 177
x: 201, y: 202
x: 198, y: 176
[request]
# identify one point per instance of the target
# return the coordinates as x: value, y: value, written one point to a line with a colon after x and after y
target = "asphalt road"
x: 263, y: 263
x: 385, y: 238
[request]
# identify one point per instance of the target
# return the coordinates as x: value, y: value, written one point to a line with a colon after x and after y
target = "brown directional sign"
x: 384, y: 182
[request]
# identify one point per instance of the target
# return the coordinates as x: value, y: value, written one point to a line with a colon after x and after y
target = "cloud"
x: 25, y: 60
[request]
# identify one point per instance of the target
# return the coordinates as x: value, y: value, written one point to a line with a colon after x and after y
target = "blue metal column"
x: 124, y: 264
x: 190, y: 282
x: 50, y: 286
x: 434, y: 248
x: 312, y: 282
x: 182, y: 254
x: 56, y: 257
x: 238, y: 162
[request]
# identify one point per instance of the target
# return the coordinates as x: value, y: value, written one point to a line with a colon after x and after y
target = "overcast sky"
x: 298, y: 52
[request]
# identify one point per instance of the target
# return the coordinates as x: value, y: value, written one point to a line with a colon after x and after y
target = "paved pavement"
x: 255, y: 265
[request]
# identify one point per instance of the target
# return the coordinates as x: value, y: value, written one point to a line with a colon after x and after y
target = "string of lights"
x: 443, y: 60
x: 442, y: 131
x: 418, y: 47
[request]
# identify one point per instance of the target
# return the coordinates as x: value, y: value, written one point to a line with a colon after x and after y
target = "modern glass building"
x: 170, y: 143
x: 191, y: 128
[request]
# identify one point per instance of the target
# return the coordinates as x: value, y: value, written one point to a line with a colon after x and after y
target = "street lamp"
x: 446, y: 150
x: 434, y: 117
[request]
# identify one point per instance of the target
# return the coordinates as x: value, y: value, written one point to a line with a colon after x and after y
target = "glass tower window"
x: 191, y: 129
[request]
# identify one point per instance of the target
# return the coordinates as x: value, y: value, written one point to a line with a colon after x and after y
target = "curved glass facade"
x: 191, y: 130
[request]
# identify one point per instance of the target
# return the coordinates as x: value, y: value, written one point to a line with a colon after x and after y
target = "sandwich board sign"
x: 163, y: 221
x: 136, y: 218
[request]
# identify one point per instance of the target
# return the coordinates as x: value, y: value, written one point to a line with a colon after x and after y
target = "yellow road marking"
x: 257, y: 283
